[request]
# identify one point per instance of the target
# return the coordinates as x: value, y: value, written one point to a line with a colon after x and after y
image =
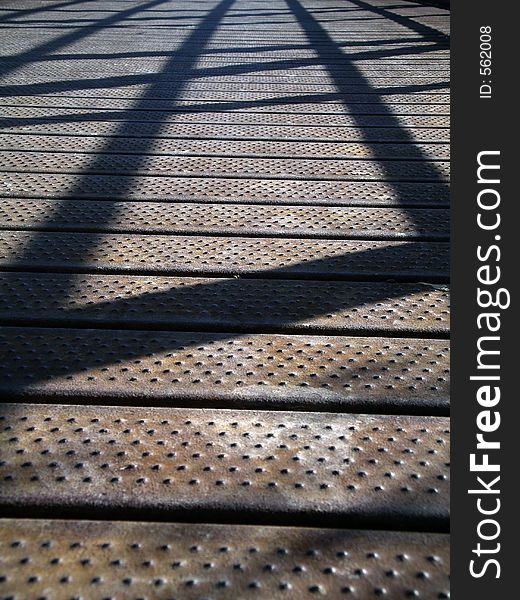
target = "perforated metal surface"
x: 357, y: 101
x: 150, y: 560
x: 138, y: 68
x: 319, y: 373
x: 351, y: 468
x: 87, y: 127
x: 246, y: 148
x: 254, y: 304
x: 225, y: 189
x: 165, y: 82
x: 223, y: 167
x: 242, y: 219
x: 319, y: 120
x: 151, y: 150
x: 421, y: 106
x: 271, y: 257
x: 385, y: 67
x: 61, y: 103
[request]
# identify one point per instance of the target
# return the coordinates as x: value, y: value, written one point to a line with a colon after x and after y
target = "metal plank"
x: 151, y: 560
x: 24, y: 114
x: 346, y: 103
x: 200, y: 166
x: 244, y: 148
x: 225, y: 219
x: 340, y: 469
x: 224, y: 304
x: 94, y: 90
x: 248, y: 60
x: 112, y: 34
x: 268, y: 257
x: 226, y: 131
x: 305, y: 73
x: 230, y: 21
x: 227, y: 369
x: 257, y: 48
x: 171, y: 81
x: 224, y: 189
x: 101, y: 103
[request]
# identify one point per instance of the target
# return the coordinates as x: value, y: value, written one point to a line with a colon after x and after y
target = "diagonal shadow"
x: 18, y: 13
x: 29, y: 56
x: 229, y: 49
x: 210, y: 24
x: 45, y: 88
x: 336, y: 62
x: 217, y: 105
x: 328, y: 53
x: 408, y: 22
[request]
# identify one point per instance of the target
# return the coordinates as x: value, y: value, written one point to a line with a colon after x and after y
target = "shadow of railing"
x: 328, y: 54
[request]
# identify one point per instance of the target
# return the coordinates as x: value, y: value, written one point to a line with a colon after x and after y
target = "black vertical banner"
x: 485, y: 114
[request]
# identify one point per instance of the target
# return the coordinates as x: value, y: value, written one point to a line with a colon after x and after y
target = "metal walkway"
x: 224, y: 296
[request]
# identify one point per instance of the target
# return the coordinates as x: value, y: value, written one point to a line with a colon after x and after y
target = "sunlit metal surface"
x: 224, y: 270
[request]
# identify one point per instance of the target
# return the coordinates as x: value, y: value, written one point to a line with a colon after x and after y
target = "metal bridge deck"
x: 224, y: 296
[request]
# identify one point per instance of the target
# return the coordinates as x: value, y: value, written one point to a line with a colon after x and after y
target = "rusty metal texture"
x: 299, y: 49
x: 92, y: 64
x: 226, y: 131
x: 269, y: 257
x: 258, y: 50
x: 222, y: 189
x: 298, y: 73
x: 230, y: 23
x: 155, y: 560
x: 438, y: 60
x: 227, y: 369
x: 224, y: 304
x: 27, y: 114
x: 226, y: 148
x: 355, y: 108
x: 226, y: 219
x: 136, y: 91
x: 193, y: 12
x: 300, y: 41
x: 168, y: 81
x: 157, y: 156
x: 340, y: 469
x: 199, y: 166
x: 306, y: 75
x: 343, y: 104
x: 311, y: 69
x: 227, y: 26
x: 10, y: 85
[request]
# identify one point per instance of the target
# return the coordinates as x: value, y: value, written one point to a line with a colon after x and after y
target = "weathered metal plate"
x: 227, y: 369
x: 27, y: 114
x: 304, y: 54
x: 227, y: 219
x: 166, y: 560
x: 101, y: 103
x: 134, y: 88
x: 207, y: 114
x: 342, y: 104
x: 340, y: 469
x: 269, y: 257
x: 225, y: 131
x: 224, y: 304
x: 200, y: 166
x: 155, y: 66
x: 224, y: 189
x: 250, y: 61
x: 171, y: 80
x: 244, y: 148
